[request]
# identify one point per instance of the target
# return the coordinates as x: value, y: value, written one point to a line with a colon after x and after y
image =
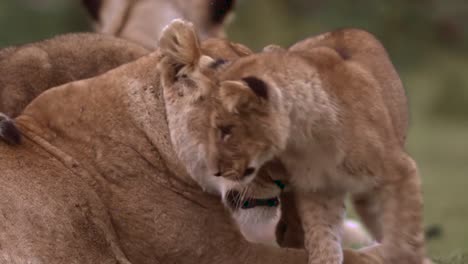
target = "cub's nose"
x: 218, y: 174
x: 249, y: 171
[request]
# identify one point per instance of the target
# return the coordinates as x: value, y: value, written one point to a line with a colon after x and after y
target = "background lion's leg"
x: 322, y: 217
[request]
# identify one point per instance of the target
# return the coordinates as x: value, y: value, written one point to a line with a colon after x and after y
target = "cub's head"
x: 245, y: 130
x: 189, y: 77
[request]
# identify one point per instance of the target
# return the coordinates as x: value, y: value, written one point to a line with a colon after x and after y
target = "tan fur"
x: 97, y: 181
x: 143, y: 20
x: 28, y: 70
x: 334, y: 114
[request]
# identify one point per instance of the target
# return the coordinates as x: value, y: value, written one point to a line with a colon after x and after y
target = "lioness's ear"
x: 243, y: 95
x: 179, y: 47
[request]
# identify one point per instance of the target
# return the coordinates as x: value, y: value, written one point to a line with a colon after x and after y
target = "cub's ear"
x: 180, y: 50
x: 8, y: 130
x: 247, y: 94
x: 241, y: 50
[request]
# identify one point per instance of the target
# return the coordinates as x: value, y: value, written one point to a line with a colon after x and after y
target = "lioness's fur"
x: 28, y: 70
x: 332, y: 109
x: 142, y: 21
x: 97, y: 181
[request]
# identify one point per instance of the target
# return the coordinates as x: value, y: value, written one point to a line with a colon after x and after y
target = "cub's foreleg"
x: 322, y: 215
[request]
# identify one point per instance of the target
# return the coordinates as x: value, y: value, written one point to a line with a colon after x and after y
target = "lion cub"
x: 336, y: 130
x: 334, y: 114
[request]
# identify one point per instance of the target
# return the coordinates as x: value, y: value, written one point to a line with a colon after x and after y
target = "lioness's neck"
x: 100, y: 124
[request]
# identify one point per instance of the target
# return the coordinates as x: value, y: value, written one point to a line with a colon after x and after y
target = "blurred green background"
x: 427, y: 41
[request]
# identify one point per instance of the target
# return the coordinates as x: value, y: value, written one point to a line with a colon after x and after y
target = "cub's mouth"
x: 248, y: 172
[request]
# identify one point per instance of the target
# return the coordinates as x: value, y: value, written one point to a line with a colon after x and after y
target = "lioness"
x: 142, y: 21
x: 331, y: 109
x: 97, y: 180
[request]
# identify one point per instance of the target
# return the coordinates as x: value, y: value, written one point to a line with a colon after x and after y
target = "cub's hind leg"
x: 397, y: 223
x: 402, y: 206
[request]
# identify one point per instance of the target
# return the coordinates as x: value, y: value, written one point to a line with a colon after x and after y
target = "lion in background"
x: 142, y: 21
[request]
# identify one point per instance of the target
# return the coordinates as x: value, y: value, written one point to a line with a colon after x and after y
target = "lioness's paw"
x: 8, y: 130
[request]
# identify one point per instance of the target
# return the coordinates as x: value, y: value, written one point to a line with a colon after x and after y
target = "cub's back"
x: 363, y: 48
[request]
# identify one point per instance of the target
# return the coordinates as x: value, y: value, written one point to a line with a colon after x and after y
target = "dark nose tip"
x: 249, y: 171
x: 218, y: 174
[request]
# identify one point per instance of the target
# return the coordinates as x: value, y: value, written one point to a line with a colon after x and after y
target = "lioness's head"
x: 219, y: 127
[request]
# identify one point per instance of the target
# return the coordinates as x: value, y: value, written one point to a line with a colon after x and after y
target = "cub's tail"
x: 8, y: 130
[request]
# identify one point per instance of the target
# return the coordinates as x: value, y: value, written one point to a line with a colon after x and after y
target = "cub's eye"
x: 226, y: 132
